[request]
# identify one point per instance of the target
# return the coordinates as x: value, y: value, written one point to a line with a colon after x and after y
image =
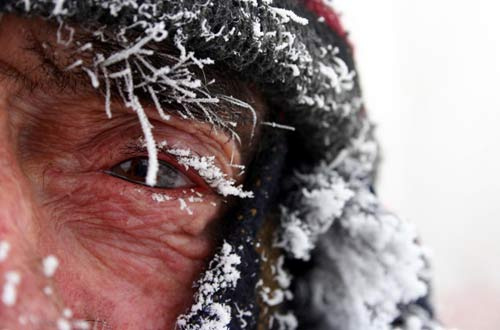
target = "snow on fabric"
x: 371, y: 264
x: 322, y: 204
x: 207, y: 313
x: 416, y: 318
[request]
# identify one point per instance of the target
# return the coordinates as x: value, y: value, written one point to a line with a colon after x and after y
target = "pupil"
x: 140, y: 168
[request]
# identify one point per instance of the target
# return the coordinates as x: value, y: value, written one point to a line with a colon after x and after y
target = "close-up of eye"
x: 135, y: 170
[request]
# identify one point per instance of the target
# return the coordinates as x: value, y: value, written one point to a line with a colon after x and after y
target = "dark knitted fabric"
x: 244, y: 226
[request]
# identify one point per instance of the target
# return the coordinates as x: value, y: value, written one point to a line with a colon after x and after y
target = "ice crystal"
x: 4, y: 250
x: 211, y: 173
x: 9, y: 294
x: 50, y: 264
x: 323, y: 203
x: 221, y: 275
x: 278, y: 296
x: 160, y: 198
x: 286, y: 321
x: 288, y: 15
x: 63, y: 324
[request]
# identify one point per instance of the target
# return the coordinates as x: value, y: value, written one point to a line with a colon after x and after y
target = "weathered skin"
x: 125, y: 259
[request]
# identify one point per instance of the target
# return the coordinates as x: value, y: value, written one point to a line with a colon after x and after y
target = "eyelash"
x: 190, y: 173
x: 134, y: 150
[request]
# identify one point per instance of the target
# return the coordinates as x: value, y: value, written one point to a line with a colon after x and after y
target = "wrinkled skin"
x: 126, y: 260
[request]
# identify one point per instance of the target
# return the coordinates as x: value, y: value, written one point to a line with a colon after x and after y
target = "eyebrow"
x: 50, y: 76
x: 234, y: 94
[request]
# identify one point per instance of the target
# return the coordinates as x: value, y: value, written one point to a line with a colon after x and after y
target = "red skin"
x: 124, y: 258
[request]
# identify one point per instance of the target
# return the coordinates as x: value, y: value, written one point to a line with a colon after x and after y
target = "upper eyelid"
x: 167, y: 163
x: 135, y: 150
x: 196, y: 139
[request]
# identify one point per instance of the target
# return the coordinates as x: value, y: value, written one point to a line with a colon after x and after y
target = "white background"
x: 430, y: 70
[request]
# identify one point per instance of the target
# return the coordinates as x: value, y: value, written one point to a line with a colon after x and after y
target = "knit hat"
x: 313, y: 248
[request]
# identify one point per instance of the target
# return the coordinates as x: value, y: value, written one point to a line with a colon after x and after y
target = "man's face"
x: 72, y: 186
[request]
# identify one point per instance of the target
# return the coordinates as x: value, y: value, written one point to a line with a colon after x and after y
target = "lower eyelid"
x: 116, y: 204
x: 147, y: 193
x: 178, y: 197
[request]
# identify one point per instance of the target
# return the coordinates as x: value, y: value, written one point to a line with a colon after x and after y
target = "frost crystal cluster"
x: 213, y: 175
x: 207, y: 313
x: 367, y: 261
x: 9, y: 293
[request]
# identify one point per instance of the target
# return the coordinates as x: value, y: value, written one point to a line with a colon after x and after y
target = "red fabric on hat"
x: 332, y: 19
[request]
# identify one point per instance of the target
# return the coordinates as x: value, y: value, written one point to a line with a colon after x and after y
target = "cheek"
x: 115, y: 239
x: 125, y: 227
x: 123, y: 249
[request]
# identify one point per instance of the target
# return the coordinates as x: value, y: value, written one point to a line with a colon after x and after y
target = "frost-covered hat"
x: 313, y: 247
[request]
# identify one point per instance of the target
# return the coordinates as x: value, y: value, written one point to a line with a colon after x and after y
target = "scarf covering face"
x: 314, y: 248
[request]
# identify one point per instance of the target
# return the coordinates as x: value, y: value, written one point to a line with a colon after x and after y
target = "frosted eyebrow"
x: 65, y: 79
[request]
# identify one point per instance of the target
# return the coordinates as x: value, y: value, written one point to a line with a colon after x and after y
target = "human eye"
x: 135, y: 169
